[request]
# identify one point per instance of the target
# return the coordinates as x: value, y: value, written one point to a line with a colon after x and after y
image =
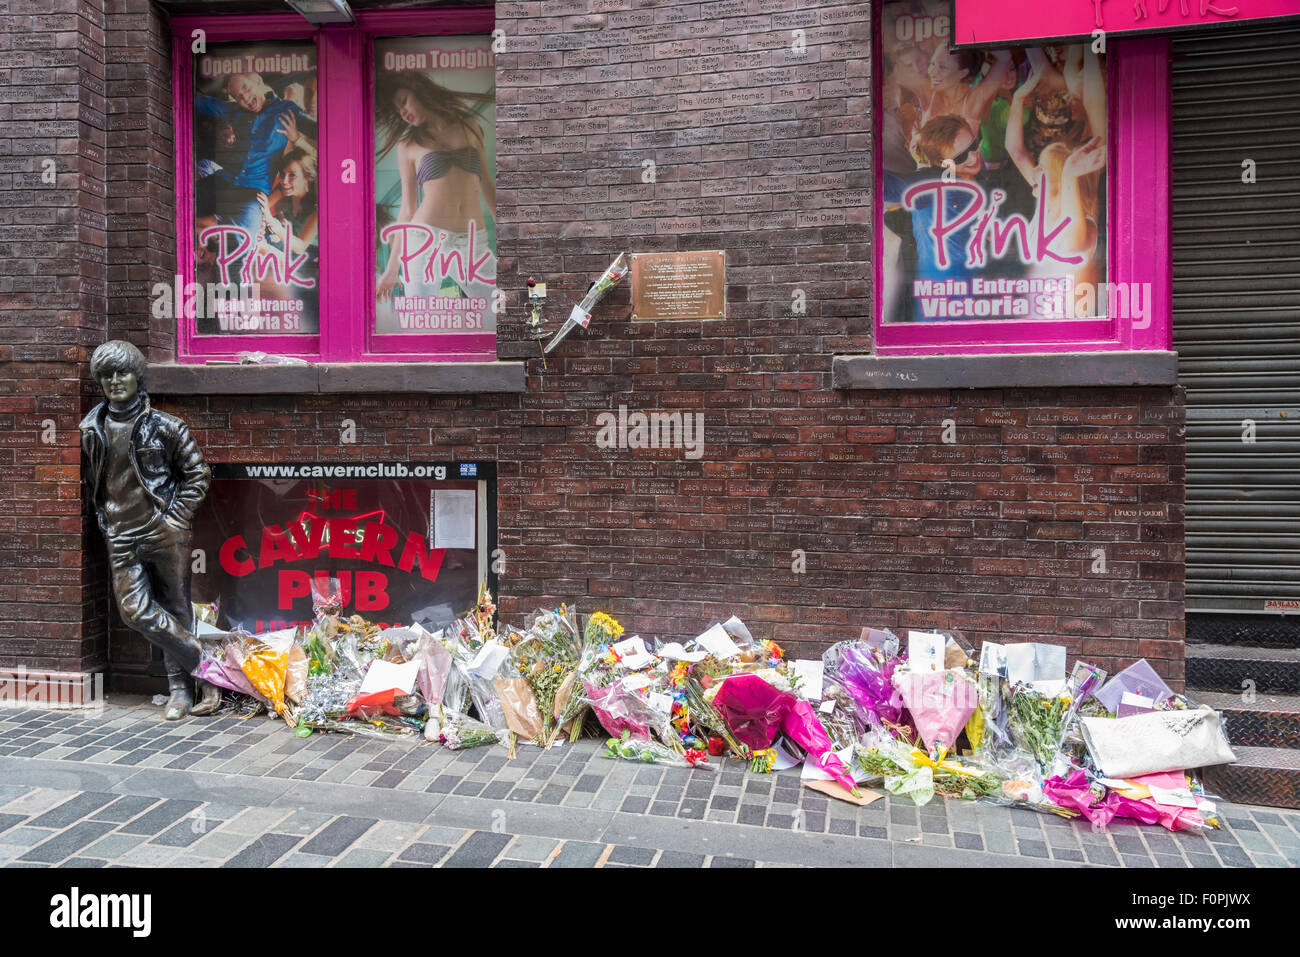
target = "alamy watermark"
x: 236, y: 306
x: 653, y: 430
x: 20, y: 688
x: 1060, y: 298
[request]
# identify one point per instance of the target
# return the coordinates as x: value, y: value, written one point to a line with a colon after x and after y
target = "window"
x: 1021, y: 194
x: 336, y: 187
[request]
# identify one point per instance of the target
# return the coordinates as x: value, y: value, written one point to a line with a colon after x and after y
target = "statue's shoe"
x: 209, y: 700
x: 179, y: 704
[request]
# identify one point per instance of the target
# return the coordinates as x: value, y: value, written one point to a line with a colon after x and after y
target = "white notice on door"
x: 451, y: 513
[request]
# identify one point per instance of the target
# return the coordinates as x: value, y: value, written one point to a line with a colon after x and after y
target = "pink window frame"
x: 347, y: 219
x: 1138, y: 90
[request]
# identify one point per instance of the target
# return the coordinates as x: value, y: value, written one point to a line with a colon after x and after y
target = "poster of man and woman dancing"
x: 992, y: 173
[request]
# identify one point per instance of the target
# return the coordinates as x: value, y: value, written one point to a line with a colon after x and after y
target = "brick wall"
x: 53, y: 252
x: 1054, y: 515
x: 142, y: 218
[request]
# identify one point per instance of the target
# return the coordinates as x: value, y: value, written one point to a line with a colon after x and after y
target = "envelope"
x: 1138, y: 678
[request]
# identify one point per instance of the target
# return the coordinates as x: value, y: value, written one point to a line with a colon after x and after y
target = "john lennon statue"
x: 146, y: 477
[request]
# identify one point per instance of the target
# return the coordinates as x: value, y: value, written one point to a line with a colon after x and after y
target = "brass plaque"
x: 691, y: 285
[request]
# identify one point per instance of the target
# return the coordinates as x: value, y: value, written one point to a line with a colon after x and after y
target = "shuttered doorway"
x: 1236, y: 313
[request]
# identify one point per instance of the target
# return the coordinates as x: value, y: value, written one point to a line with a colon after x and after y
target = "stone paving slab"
x: 83, y: 789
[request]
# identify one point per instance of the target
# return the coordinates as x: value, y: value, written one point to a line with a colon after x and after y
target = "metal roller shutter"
x: 1236, y: 311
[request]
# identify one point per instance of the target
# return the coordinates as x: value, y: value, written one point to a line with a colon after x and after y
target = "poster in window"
x: 435, y: 185
x: 993, y: 176
x: 268, y: 540
x: 255, y: 189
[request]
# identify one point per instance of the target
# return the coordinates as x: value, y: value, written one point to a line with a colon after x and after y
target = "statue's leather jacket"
x: 166, y: 458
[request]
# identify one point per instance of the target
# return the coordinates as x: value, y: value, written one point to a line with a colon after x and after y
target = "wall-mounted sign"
x: 405, y: 541
x: 689, y: 285
x: 1283, y: 605
x: 981, y: 23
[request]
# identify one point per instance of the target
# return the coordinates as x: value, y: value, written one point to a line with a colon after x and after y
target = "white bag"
x: 1156, y: 741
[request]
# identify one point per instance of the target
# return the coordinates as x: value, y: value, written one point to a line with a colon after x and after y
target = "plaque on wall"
x: 688, y: 285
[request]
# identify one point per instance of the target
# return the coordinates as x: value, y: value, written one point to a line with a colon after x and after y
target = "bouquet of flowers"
x: 544, y: 655
x: 581, y: 314
x: 1036, y: 722
x: 264, y: 659
x: 464, y: 732
x: 908, y: 771
x: 602, y: 629
x: 940, y: 703
x: 865, y: 672
x: 476, y: 654
x: 704, y: 714
x: 636, y: 703
x: 221, y: 665
x: 630, y: 748
x: 621, y: 698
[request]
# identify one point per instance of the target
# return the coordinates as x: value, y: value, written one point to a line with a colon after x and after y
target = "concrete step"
x: 1267, y: 721
x: 1227, y: 667
x: 1268, y: 776
x: 1273, y: 631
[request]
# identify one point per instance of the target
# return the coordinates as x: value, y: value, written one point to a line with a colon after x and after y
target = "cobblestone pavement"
x: 121, y: 786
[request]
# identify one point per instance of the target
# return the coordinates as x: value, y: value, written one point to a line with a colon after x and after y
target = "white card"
x: 634, y: 654
x: 809, y: 672
x: 925, y: 650
x: 718, y: 643
x: 1173, y: 797
x: 784, y: 759
x: 993, y: 659
x: 452, y: 517
x: 1048, y: 689
x: 488, y: 659
x: 630, y: 646
x: 827, y: 707
x: 580, y: 316
x: 1034, y: 661
x: 384, y: 675
x: 637, y: 682
x: 735, y: 627
x: 203, y: 630
x: 812, y: 771
x: 1137, y: 700
x: 673, y: 651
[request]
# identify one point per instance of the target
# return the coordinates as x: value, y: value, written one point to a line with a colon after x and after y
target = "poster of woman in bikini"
x: 435, y: 185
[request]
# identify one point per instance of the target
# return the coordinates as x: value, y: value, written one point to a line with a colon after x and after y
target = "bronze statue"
x: 146, y: 477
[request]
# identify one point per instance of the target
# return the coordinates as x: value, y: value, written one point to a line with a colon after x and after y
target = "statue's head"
x: 118, y: 367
